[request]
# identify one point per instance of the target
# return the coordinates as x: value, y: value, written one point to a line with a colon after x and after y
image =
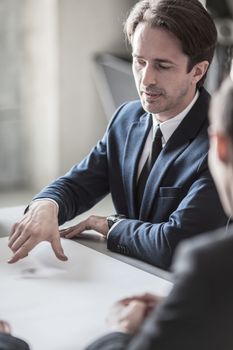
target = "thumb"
x: 58, y: 250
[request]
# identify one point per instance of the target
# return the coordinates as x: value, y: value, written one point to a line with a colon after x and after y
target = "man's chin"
x: 151, y: 107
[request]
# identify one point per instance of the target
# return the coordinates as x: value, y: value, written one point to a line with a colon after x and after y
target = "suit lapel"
x: 134, y: 144
x: 179, y: 141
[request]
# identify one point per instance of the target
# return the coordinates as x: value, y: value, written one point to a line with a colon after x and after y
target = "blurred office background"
x: 64, y: 67
x: 51, y: 112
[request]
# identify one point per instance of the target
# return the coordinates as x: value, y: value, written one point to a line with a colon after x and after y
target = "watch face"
x: 112, y: 219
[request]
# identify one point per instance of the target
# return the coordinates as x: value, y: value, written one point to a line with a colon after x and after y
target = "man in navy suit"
x: 162, y: 190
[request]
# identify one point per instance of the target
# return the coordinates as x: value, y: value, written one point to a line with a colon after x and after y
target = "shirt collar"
x: 170, y: 125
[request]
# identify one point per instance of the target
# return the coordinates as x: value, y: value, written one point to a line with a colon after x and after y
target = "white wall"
x: 86, y: 27
x: 62, y: 114
x: 39, y: 90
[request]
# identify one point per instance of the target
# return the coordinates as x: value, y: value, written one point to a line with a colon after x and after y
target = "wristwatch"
x: 112, y: 219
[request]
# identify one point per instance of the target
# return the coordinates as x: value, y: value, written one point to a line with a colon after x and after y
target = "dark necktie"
x: 154, y: 153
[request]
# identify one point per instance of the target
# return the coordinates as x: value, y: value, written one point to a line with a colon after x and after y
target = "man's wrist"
x: 45, y: 201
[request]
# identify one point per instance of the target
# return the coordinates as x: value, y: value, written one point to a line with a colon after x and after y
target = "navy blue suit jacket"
x: 180, y: 199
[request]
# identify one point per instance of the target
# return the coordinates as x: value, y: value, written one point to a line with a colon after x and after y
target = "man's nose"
x: 149, y: 76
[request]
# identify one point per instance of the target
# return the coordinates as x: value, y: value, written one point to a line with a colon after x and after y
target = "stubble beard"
x: 165, y: 103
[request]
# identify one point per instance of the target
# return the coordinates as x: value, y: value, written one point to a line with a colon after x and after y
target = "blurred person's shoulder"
x: 208, y: 253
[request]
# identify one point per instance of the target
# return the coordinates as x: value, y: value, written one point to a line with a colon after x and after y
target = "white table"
x: 57, y: 305
x: 62, y: 306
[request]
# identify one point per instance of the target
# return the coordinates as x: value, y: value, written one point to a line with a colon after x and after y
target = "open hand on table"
x: 40, y: 223
x: 93, y: 222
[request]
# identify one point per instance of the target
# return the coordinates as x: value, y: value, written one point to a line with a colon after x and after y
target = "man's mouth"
x: 152, y: 95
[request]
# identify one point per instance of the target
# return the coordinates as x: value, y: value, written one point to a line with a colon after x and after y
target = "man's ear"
x: 223, y: 147
x: 199, y: 71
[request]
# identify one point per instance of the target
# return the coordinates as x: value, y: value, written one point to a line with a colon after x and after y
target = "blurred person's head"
x: 221, y: 143
x: 173, y: 43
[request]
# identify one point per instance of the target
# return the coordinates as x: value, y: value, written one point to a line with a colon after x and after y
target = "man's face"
x: 160, y: 72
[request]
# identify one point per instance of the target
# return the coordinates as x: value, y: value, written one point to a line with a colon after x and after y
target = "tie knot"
x: 158, y: 133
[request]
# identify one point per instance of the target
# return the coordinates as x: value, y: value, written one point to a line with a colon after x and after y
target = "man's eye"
x: 163, y: 66
x: 139, y: 62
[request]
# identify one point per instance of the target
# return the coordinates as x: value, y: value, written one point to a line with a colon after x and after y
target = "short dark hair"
x: 188, y: 20
x: 222, y: 107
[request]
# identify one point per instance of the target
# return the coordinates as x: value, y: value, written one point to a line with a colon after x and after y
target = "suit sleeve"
x: 82, y: 187
x: 85, y: 184
x: 199, y: 211
x: 8, y: 342
x: 112, y: 341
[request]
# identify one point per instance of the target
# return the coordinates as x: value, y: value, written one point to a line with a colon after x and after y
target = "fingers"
x: 39, y: 224
x: 20, y: 232
x: 136, y: 305
x: 14, y: 234
x: 27, y: 246
x: 20, y: 242
x: 13, y: 229
x: 58, y: 250
x: 146, y: 297
x: 150, y: 300
x: 5, y: 327
x: 23, y: 250
x: 66, y: 231
x: 17, y: 240
x: 24, y: 238
x: 76, y: 230
x: 93, y: 222
x: 127, y: 318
